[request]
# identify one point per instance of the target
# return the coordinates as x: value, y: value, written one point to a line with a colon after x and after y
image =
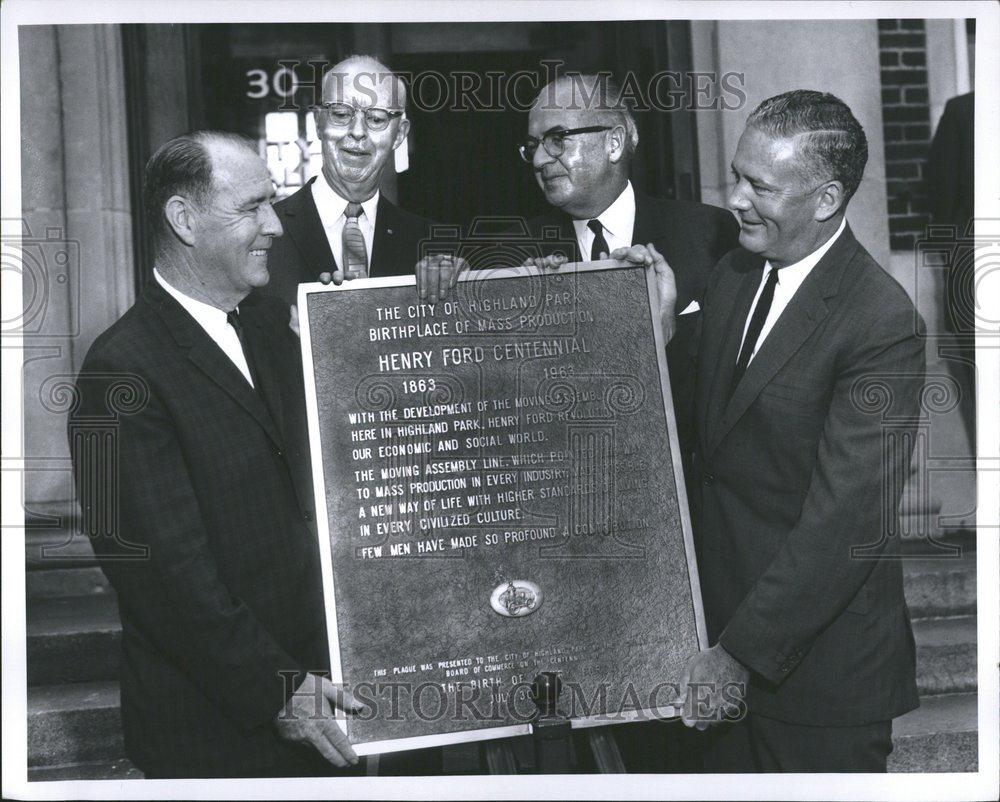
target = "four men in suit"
x: 215, y: 557
x: 223, y: 623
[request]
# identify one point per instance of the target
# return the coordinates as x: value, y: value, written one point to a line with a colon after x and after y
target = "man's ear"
x: 181, y: 218
x: 830, y: 201
x: 616, y: 143
x: 401, y: 132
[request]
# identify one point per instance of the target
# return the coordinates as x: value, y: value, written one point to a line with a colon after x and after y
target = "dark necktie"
x: 355, y: 252
x: 754, y: 329
x: 234, y: 320
x: 600, y: 244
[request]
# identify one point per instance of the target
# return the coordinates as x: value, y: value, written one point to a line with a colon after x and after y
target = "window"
x: 291, y: 149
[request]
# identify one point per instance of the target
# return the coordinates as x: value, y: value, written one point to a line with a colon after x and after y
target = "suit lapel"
x: 568, y: 233
x: 797, y: 322
x: 553, y: 230
x: 722, y: 344
x: 269, y: 389
x: 653, y: 224
x: 303, y: 225
x: 387, y: 258
x: 209, y: 358
x: 649, y: 225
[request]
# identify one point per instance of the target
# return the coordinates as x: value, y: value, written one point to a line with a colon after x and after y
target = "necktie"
x: 233, y: 319
x: 600, y: 244
x: 754, y: 329
x: 355, y: 253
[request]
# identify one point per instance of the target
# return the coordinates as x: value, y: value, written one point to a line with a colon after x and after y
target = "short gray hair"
x: 600, y: 92
x: 183, y: 166
x: 835, y: 147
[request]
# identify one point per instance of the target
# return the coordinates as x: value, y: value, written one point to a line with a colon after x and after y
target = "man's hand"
x: 308, y: 718
x: 713, y: 685
x: 293, y: 322
x: 666, y: 285
x: 552, y: 262
x: 337, y: 277
x: 437, y: 274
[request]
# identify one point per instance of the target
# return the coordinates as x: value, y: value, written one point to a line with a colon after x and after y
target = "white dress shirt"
x: 790, y: 278
x: 618, y: 221
x: 213, y: 321
x: 331, y: 213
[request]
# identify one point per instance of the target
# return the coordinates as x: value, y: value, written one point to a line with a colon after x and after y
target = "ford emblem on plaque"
x: 516, y: 598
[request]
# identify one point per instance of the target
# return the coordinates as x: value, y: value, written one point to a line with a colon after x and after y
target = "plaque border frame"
x: 322, y: 515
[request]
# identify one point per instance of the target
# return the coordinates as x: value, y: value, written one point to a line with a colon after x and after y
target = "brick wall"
x: 906, y: 126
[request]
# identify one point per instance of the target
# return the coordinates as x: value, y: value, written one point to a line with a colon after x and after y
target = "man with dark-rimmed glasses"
x: 580, y: 143
x: 339, y: 226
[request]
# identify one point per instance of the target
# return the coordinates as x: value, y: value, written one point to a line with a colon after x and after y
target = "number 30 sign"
x: 260, y: 85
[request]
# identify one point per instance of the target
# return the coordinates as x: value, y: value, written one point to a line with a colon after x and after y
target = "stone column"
x: 77, y: 256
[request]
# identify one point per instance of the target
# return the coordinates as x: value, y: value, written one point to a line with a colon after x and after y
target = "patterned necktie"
x: 355, y: 253
x: 600, y: 244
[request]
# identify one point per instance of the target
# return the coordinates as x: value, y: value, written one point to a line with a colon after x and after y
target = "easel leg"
x: 605, y: 750
x: 498, y: 757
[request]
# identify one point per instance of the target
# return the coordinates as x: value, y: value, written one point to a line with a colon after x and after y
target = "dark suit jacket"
x: 215, y: 485
x: 304, y: 252
x: 802, y: 465
x: 692, y: 237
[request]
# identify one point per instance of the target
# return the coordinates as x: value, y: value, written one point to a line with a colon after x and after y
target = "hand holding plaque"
x: 437, y: 274
x: 308, y: 718
x: 666, y: 284
x: 649, y: 257
x: 552, y: 262
x: 725, y: 679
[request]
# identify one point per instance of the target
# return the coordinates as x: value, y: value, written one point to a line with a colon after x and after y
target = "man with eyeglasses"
x: 581, y: 140
x: 339, y: 226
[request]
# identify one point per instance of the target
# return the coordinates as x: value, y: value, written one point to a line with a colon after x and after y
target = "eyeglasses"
x: 341, y: 115
x: 554, y: 142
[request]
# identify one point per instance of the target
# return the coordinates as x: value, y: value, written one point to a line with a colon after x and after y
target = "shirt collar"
x: 619, y: 218
x: 331, y: 206
x: 206, y: 314
x: 798, y: 270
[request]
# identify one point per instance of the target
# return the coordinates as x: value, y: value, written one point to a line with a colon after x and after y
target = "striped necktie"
x: 355, y: 253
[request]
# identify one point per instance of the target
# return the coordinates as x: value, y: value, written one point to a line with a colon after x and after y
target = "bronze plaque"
x: 499, y: 493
